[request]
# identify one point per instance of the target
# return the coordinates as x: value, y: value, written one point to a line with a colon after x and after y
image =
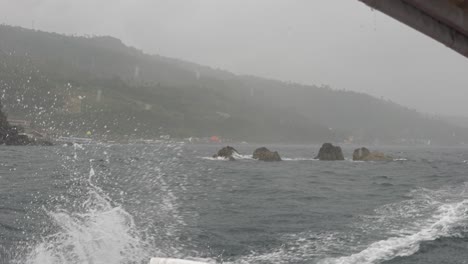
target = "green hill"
x: 70, y: 85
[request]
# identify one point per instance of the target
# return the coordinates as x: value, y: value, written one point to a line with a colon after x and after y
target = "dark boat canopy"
x: 444, y: 20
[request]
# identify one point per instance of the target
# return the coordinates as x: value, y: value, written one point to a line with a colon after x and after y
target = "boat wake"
x: 403, y: 226
x: 444, y: 223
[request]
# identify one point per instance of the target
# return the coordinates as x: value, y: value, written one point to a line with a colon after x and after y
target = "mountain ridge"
x: 129, y: 93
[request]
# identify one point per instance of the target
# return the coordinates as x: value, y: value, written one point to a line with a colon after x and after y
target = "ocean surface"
x: 102, y: 203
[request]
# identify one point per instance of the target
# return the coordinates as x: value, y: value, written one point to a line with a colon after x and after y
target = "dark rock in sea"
x: 265, y: 154
x: 17, y: 140
x: 363, y: 154
x: 14, y: 139
x: 330, y: 152
x: 10, y: 135
x: 360, y: 153
x: 227, y: 153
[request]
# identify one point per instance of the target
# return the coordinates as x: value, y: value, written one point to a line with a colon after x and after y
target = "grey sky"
x: 342, y: 43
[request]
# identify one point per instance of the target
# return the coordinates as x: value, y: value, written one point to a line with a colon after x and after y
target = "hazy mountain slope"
x: 461, y: 121
x: 126, y: 92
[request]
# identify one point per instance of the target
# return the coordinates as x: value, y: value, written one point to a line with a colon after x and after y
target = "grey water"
x: 104, y: 203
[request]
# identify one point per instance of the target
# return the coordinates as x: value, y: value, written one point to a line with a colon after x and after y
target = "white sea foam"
x: 102, y: 233
x: 78, y: 146
x: 248, y: 157
x: 403, y: 226
x: 212, y: 158
x: 235, y: 155
x: 299, y: 159
x: 447, y: 218
x: 306, y: 247
x: 428, y: 216
x: 238, y: 156
x: 99, y: 230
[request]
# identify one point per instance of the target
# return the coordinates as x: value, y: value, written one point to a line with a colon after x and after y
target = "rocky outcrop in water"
x: 363, y: 154
x: 360, y: 153
x: 330, y: 152
x: 10, y: 135
x: 265, y: 154
x: 226, y: 153
x: 12, y: 138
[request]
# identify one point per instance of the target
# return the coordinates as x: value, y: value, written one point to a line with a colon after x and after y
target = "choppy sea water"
x: 126, y: 203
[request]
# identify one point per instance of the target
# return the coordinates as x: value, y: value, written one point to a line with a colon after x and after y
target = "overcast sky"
x: 342, y: 43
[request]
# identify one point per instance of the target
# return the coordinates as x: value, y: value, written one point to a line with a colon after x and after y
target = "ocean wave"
x: 212, y: 158
x: 299, y: 159
x: 428, y: 215
x: 248, y: 157
x: 300, y: 248
x: 449, y: 216
x: 238, y: 156
x: 434, y: 214
x: 93, y: 226
x: 102, y: 233
x: 360, y: 161
x: 235, y: 155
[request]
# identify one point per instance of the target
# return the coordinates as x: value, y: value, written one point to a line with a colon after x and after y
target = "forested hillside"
x: 70, y: 85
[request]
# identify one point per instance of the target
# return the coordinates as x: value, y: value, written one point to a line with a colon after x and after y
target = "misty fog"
x: 233, y: 131
x: 343, y: 44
